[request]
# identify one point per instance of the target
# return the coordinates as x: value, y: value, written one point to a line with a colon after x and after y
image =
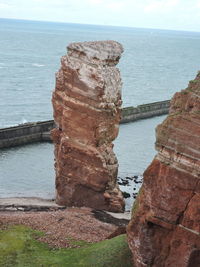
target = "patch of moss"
x: 193, y: 81
x: 184, y: 92
x: 196, y: 112
x: 175, y: 114
x: 135, y: 207
x: 19, y: 248
x: 77, y: 243
x: 136, y: 203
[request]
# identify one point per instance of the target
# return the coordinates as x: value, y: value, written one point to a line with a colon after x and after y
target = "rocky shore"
x: 130, y: 186
x: 78, y: 223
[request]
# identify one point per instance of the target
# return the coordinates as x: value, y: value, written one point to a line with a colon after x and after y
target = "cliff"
x: 86, y: 102
x: 165, y: 225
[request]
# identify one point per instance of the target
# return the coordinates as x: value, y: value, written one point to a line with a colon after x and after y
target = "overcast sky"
x: 162, y: 14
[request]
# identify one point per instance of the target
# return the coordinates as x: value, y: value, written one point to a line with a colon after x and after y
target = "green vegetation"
x: 20, y: 248
x: 184, y: 92
x: 136, y: 203
x: 193, y: 81
x: 77, y: 243
x: 135, y: 207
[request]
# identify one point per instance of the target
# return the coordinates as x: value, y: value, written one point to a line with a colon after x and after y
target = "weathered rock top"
x: 99, y: 52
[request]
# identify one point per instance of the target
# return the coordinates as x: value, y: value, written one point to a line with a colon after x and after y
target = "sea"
x: 155, y: 64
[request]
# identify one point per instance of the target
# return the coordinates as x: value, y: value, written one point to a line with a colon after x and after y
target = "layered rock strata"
x: 86, y: 102
x: 165, y: 225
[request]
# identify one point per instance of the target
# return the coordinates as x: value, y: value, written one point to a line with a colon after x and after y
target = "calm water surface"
x: 155, y: 64
x: 28, y: 170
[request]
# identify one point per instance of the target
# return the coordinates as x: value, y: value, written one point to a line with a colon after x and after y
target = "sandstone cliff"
x: 165, y: 225
x: 86, y: 103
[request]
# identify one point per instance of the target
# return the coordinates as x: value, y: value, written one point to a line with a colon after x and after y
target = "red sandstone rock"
x: 165, y: 225
x: 86, y: 104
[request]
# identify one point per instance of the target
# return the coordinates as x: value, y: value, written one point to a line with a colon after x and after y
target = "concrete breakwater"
x: 145, y: 111
x: 40, y: 131
x: 25, y: 133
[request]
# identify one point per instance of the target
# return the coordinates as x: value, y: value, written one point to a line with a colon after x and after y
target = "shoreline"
x: 35, y: 204
x: 42, y: 214
x: 129, y: 187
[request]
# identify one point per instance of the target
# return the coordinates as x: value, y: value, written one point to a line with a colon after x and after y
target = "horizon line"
x: 102, y: 25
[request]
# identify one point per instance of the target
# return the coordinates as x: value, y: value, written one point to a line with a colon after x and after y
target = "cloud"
x: 35, y: 3
x: 95, y: 2
x: 168, y: 14
x: 3, y: 5
x: 198, y: 4
x: 108, y: 4
x: 160, y: 5
x: 116, y: 6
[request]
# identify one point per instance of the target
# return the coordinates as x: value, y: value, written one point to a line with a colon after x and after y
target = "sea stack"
x: 86, y: 103
x: 165, y: 225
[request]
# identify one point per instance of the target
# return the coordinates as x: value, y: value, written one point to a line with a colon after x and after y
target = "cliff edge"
x: 165, y: 225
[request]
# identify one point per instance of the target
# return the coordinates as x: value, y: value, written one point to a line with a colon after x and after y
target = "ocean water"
x: 155, y: 64
x: 29, y: 170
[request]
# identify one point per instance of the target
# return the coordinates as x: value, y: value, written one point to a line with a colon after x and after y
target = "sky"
x: 161, y: 14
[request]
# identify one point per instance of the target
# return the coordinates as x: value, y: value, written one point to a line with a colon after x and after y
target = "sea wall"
x: 145, y: 111
x: 25, y: 133
x: 39, y: 131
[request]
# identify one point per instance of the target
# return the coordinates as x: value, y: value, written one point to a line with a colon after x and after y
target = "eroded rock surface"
x: 165, y: 225
x: 86, y: 104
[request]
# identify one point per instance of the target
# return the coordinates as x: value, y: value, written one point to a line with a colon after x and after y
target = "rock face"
x: 86, y: 104
x: 165, y: 225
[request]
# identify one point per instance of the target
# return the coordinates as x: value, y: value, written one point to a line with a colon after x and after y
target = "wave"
x: 23, y: 121
x: 38, y: 65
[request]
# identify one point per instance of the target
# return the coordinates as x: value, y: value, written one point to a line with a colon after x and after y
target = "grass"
x: 20, y: 248
x: 77, y: 243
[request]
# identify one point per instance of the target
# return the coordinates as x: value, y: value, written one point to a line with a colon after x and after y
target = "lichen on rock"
x: 86, y: 102
x: 165, y: 228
